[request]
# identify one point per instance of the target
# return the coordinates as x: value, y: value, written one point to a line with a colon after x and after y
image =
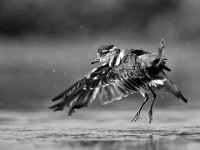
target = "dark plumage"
x: 123, y: 72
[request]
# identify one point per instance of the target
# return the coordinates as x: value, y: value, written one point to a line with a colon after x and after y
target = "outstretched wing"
x: 82, y: 92
x: 104, y: 83
x: 86, y: 83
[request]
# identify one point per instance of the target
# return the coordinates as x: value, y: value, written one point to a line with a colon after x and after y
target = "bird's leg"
x: 137, y: 115
x: 151, y: 107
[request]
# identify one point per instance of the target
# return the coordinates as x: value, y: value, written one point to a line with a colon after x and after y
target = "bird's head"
x: 105, y: 53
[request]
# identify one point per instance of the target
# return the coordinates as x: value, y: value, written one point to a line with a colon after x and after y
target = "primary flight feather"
x: 124, y: 71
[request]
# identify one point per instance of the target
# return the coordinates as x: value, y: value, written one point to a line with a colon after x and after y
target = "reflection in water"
x: 149, y: 143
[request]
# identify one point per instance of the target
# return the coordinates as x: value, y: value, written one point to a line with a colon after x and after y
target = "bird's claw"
x: 150, y: 115
x: 136, y: 117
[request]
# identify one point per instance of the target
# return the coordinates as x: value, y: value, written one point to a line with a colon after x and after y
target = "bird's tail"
x: 161, y: 51
x: 172, y: 88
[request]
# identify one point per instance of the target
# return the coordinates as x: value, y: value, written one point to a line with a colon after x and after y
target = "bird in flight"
x: 123, y: 72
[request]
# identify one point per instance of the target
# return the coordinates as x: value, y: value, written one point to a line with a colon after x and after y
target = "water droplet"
x: 187, y: 43
x: 64, y: 73
x: 54, y: 70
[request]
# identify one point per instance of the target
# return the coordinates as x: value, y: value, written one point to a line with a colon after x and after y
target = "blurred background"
x: 46, y: 45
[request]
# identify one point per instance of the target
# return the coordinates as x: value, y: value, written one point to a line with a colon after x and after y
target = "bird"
x: 122, y: 73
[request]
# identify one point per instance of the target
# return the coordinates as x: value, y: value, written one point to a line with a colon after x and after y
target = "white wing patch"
x: 157, y: 82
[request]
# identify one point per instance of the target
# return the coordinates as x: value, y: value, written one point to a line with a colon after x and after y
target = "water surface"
x: 101, y: 130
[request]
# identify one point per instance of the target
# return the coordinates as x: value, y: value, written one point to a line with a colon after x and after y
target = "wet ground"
x: 100, y: 130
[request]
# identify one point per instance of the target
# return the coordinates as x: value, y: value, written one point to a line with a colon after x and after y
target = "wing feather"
x: 104, y: 83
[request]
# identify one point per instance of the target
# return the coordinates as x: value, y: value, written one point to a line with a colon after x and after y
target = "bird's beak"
x: 95, y: 61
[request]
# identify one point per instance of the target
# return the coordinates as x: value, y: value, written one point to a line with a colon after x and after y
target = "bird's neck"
x: 116, y: 59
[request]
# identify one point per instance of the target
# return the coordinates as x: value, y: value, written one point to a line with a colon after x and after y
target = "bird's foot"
x: 136, y: 117
x: 150, y: 115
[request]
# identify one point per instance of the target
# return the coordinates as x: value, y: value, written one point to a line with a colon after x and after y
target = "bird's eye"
x: 117, y: 50
x: 104, y: 52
